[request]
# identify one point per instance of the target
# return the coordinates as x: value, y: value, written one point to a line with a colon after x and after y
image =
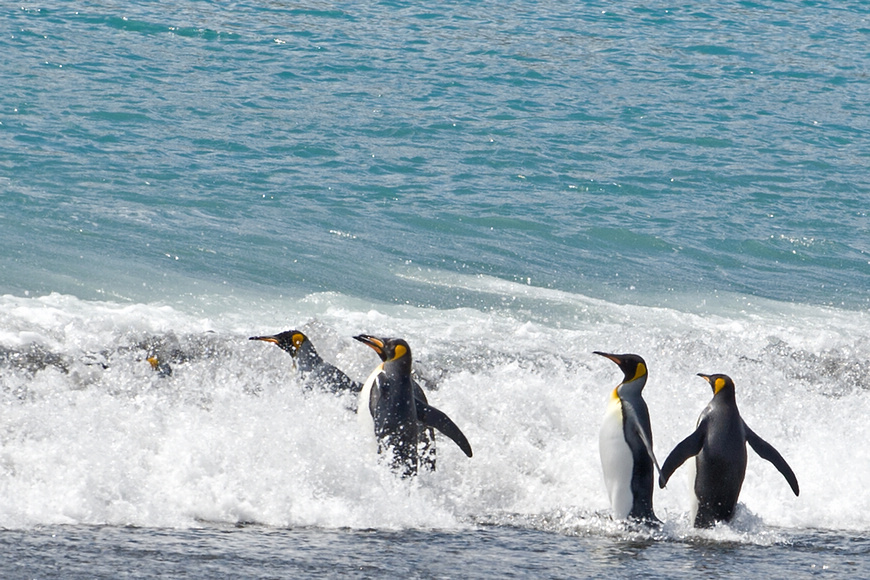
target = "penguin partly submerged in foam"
x: 625, y: 444
x: 719, y: 444
x: 315, y: 371
x: 161, y: 367
x: 401, y: 418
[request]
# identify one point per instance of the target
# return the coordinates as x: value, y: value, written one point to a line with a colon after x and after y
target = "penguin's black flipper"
x: 434, y: 418
x: 631, y: 415
x: 688, y: 447
x: 766, y: 451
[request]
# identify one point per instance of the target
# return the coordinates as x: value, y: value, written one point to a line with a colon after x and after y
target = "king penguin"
x: 162, y: 368
x: 400, y: 417
x: 314, y: 370
x: 625, y: 444
x: 719, y: 442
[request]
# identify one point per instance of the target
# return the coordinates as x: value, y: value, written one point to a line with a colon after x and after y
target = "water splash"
x: 91, y: 434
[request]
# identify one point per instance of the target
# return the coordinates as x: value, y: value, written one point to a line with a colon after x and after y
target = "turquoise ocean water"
x: 507, y: 186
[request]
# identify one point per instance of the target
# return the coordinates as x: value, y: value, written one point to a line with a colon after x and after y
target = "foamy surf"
x: 91, y: 434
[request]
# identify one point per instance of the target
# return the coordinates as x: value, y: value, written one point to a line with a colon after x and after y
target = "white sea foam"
x: 90, y: 434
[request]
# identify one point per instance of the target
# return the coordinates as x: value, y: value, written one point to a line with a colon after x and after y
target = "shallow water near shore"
x: 482, y: 552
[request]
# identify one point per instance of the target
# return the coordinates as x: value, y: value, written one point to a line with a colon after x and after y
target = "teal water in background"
x: 613, y: 150
x: 509, y: 187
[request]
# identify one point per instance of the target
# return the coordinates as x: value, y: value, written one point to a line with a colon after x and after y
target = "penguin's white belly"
x: 616, y: 461
x: 363, y: 411
x: 693, y: 497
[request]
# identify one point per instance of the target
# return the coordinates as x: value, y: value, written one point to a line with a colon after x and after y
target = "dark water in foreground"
x: 489, y: 551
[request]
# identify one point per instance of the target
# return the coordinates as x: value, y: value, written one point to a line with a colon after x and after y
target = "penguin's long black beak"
x: 612, y: 357
x: 374, y: 342
x: 272, y: 339
x: 709, y: 379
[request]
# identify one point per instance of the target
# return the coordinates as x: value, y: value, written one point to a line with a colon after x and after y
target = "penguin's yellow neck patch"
x: 718, y: 385
x: 640, y: 372
x: 615, y: 393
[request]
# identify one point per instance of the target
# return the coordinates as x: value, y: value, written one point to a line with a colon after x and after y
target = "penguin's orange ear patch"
x: 400, y: 352
x: 719, y: 385
x: 298, y: 339
x: 639, y: 372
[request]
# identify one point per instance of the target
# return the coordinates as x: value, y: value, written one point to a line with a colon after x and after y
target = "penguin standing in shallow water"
x: 719, y: 442
x: 315, y: 371
x: 625, y: 444
x: 396, y: 412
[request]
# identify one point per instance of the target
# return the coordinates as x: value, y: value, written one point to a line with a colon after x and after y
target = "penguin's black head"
x: 290, y: 340
x: 633, y: 366
x: 718, y: 382
x: 389, y: 349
